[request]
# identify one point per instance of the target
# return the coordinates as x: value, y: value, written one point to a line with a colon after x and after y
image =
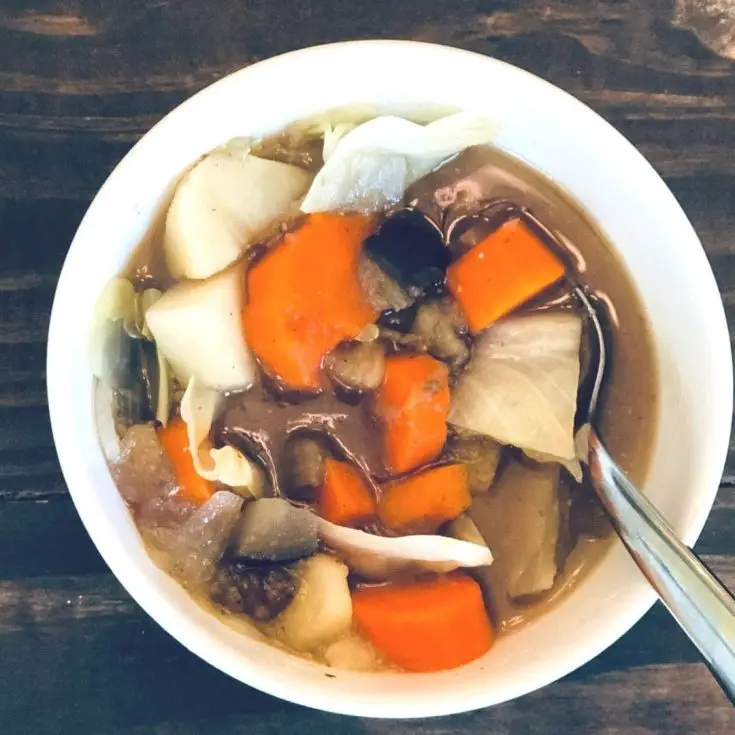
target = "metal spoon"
x: 699, y: 602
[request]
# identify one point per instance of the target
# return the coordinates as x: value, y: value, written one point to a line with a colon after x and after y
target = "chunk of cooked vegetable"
x: 410, y: 249
x: 426, y: 625
x: 221, y: 207
x: 380, y: 558
x: 437, y: 324
x: 226, y: 465
x: 321, y: 612
x: 304, y: 298
x: 134, y: 380
x: 175, y: 442
x: 354, y: 653
x: 345, y: 498
x: 520, y: 387
x: 302, y: 466
x: 357, y: 366
x: 260, y: 591
x: 479, y: 453
x: 463, y: 528
x: 130, y: 390
x: 412, y: 404
x: 397, y: 341
x: 371, y: 166
x: 273, y: 530
x: 197, y: 327
x: 381, y: 291
x: 510, y: 266
x: 520, y: 521
x: 423, y: 502
x: 114, y: 308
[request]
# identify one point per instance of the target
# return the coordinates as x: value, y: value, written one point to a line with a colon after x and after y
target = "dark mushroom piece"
x: 357, y: 366
x: 410, y: 248
x: 439, y: 324
x: 381, y: 291
x: 481, y: 456
x: 302, y: 466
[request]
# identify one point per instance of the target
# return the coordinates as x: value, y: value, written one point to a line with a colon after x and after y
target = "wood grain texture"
x: 80, y: 82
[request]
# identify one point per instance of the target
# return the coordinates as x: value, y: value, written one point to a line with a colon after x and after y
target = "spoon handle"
x: 694, y: 596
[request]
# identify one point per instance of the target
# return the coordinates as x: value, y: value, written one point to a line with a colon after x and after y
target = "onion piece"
x: 223, y: 205
x: 520, y: 387
x: 199, y: 406
x: 379, y: 557
x: 197, y: 327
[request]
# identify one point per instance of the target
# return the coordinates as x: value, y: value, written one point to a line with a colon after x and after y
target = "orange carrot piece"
x: 175, y: 443
x: 510, y: 266
x: 345, y: 498
x: 304, y: 297
x: 412, y: 403
x: 422, y: 502
x: 428, y: 625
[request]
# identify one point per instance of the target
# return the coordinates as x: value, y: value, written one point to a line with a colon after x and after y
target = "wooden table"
x: 80, y: 82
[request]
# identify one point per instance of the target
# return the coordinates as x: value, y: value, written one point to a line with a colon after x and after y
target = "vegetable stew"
x: 338, y: 384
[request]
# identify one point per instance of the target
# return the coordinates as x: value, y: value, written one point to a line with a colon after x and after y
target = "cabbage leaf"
x: 199, y: 407
x: 223, y: 205
x: 370, y: 166
x: 520, y: 387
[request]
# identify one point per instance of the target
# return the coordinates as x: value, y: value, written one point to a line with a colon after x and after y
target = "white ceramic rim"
x: 74, y: 446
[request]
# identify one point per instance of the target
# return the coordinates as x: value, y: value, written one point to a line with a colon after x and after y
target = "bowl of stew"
x: 316, y: 368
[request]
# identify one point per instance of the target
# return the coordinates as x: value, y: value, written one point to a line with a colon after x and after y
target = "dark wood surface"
x: 80, y: 82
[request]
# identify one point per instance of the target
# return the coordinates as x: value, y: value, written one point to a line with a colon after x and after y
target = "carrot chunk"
x: 412, y: 403
x: 304, y: 297
x: 428, y: 625
x: 510, y: 266
x: 345, y: 498
x: 175, y: 443
x: 422, y: 502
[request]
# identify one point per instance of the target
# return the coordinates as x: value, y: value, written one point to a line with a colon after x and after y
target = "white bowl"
x: 553, y: 132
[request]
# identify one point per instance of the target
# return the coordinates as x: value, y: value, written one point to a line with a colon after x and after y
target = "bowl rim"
x: 185, y: 630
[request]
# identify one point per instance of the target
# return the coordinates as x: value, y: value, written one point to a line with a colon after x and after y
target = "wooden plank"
x: 123, y: 667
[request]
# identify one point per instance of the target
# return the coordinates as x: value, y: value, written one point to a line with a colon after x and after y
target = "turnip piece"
x: 197, y: 327
x: 322, y: 609
x: 353, y: 653
x: 221, y: 207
